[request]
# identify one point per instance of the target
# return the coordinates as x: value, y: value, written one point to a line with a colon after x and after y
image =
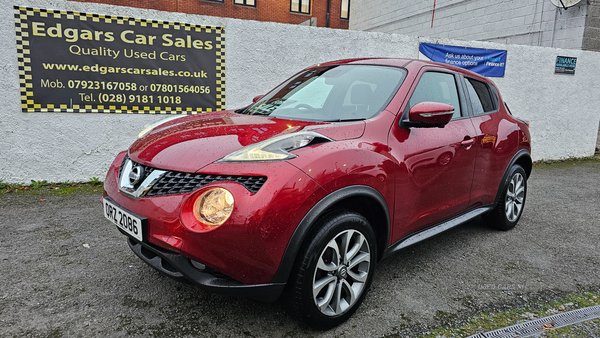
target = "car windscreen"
x: 332, y: 93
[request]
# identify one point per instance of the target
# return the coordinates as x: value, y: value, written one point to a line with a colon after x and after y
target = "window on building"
x: 245, y: 2
x: 221, y: 1
x: 300, y: 6
x: 345, y: 13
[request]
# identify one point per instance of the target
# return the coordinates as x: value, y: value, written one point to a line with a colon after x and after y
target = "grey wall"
x: 75, y: 147
x: 528, y: 22
x: 591, y: 35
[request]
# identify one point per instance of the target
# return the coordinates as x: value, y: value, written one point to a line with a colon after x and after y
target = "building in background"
x: 526, y: 22
x: 321, y: 13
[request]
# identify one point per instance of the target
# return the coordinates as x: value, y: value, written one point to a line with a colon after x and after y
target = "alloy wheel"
x: 341, y: 272
x: 515, y: 196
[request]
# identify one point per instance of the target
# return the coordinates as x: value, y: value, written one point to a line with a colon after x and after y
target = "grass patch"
x: 43, y: 187
x: 567, y: 161
x: 495, y: 320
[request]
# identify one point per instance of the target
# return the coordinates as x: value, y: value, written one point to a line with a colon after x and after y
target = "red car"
x: 301, y: 193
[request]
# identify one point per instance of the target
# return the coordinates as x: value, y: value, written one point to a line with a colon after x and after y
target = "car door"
x: 434, y: 166
x: 497, y: 140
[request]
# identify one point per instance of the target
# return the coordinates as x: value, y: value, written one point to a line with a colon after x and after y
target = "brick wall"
x: 265, y: 10
x: 527, y: 22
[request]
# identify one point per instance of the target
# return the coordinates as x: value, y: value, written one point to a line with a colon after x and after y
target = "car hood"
x: 189, y: 143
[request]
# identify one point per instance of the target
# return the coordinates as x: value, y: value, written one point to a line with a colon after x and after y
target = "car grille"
x: 175, y: 182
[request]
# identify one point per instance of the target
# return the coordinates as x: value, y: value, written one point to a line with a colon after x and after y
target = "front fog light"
x: 213, y: 207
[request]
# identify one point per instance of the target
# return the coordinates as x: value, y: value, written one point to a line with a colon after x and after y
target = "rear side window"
x: 482, y: 99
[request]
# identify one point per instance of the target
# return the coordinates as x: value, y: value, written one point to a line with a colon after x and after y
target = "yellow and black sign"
x: 87, y: 63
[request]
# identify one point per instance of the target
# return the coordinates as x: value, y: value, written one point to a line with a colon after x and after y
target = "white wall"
x: 75, y: 147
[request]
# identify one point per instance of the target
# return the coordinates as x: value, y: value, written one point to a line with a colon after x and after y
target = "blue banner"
x: 487, y: 62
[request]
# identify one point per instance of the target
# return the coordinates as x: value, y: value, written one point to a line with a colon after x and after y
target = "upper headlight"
x: 275, y: 149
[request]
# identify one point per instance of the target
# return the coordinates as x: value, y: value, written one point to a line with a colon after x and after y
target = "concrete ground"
x: 67, y: 272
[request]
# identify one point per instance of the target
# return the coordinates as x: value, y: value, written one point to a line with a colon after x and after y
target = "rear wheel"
x: 334, y: 271
x: 510, y: 206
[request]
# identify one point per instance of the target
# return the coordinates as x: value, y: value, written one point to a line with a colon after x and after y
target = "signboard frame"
x: 76, y: 62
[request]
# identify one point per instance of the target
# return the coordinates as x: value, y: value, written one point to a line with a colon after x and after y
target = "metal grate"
x: 175, y: 182
x: 534, y: 327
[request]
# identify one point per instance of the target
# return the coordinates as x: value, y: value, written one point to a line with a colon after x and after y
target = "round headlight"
x: 213, y: 207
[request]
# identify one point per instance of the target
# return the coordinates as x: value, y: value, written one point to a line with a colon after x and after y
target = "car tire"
x: 333, y: 271
x: 512, y: 201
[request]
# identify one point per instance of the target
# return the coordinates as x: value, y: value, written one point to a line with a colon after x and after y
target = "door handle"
x: 468, y: 143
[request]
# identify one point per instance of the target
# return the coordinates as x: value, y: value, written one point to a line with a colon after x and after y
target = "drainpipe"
x: 327, y: 17
x: 557, y: 10
x: 433, y: 14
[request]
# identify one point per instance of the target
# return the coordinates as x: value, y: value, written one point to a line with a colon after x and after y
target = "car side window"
x: 437, y: 87
x: 482, y: 100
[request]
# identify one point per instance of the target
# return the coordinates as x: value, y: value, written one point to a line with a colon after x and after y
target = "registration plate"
x: 124, y: 220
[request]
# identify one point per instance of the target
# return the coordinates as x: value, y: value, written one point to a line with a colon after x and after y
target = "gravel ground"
x: 67, y: 272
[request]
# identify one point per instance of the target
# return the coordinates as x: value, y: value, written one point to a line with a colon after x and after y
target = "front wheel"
x: 334, y: 270
x: 510, y: 206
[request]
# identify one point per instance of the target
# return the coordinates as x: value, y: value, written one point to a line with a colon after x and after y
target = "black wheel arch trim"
x: 307, y: 222
x: 517, y: 157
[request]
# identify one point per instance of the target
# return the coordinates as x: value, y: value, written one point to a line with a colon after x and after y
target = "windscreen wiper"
x: 242, y: 110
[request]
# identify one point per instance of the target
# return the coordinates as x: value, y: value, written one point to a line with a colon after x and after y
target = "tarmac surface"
x: 67, y: 272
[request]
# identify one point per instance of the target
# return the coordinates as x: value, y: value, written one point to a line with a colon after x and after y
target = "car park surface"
x: 55, y: 286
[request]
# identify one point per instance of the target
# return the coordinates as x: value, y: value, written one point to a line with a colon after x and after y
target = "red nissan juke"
x: 301, y: 193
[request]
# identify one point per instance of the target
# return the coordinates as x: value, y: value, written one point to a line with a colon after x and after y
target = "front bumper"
x: 248, y: 248
x: 181, y: 268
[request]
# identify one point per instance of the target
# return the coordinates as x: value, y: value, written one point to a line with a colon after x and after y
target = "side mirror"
x: 429, y: 115
x: 256, y: 98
